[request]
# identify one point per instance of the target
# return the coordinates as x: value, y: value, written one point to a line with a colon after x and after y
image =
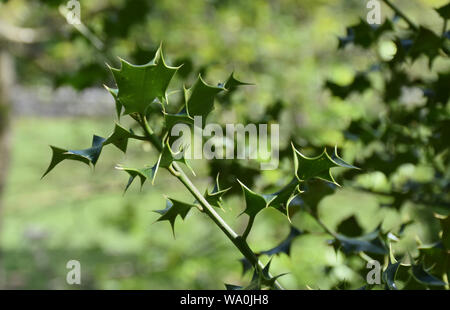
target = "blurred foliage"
x: 387, y: 108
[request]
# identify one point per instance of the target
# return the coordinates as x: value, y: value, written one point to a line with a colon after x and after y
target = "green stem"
x: 248, y: 228
x: 176, y: 171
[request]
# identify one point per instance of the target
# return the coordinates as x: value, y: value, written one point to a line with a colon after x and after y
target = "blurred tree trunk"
x: 6, y: 82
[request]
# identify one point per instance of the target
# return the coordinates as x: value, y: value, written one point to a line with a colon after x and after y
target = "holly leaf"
x: 317, y: 167
x: 437, y: 256
x: 214, y: 197
x: 143, y: 174
x: 139, y: 85
x: 285, y: 245
x: 254, y: 202
x: 87, y: 156
x: 173, y: 209
x: 391, y: 271
x: 444, y: 11
x: 370, y: 243
x: 232, y: 83
x: 171, y: 120
x: 230, y: 171
x: 246, y: 265
x: 280, y: 199
x: 167, y: 157
x: 424, y: 277
x: 265, y: 278
x: 59, y: 154
x: 115, y: 92
x: 119, y: 138
x: 199, y: 98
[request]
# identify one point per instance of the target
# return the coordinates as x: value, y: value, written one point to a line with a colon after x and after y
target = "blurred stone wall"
x: 63, y: 101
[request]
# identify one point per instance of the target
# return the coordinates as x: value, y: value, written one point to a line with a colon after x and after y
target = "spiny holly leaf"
x: 246, y: 265
x: 391, y: 271
x: 294, y: 204
x: 92, y: 153
x: 86, y: 156
x: 285, y: 245
x: 171, y: 120
x: 253, y: 201
x: 199, y: 101
x: 424, y: 277
x: 173, y: 209
x: 265, y: 277
x: 62, y: 154
x: 115, y: 92
x: 281, y: 199
x: 317, y: 167
x: 389, y: 275
x: 214, y: 197
x: 370, y: 243
x: 437, y: 256
x: 232, y: 83
x: 119, y: 138
x: 143, y: 174
x: 140, y: 85
x: 167, y: 157
x: 260, y: 278
x: 444, y: 11
x: 199, y: 98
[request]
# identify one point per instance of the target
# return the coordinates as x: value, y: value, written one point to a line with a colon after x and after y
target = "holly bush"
x: 409, y: 132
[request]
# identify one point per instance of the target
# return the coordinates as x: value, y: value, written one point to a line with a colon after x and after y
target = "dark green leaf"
x: 173, y: 209
x: 424, y: 277
x: 86, y: 156
x: 444, y: 11
x: 317, y: 167
x: 232, y: 83
x: 253, y: 201
x: 200, y: 98
x: 391, y: 271
x: 143, y: 174
x: 119, y: 138
x: 140, y: 85
x: 370, y: 243
x: 214, y: 197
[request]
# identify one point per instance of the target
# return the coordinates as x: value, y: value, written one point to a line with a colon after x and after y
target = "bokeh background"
x: 55, y: 72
